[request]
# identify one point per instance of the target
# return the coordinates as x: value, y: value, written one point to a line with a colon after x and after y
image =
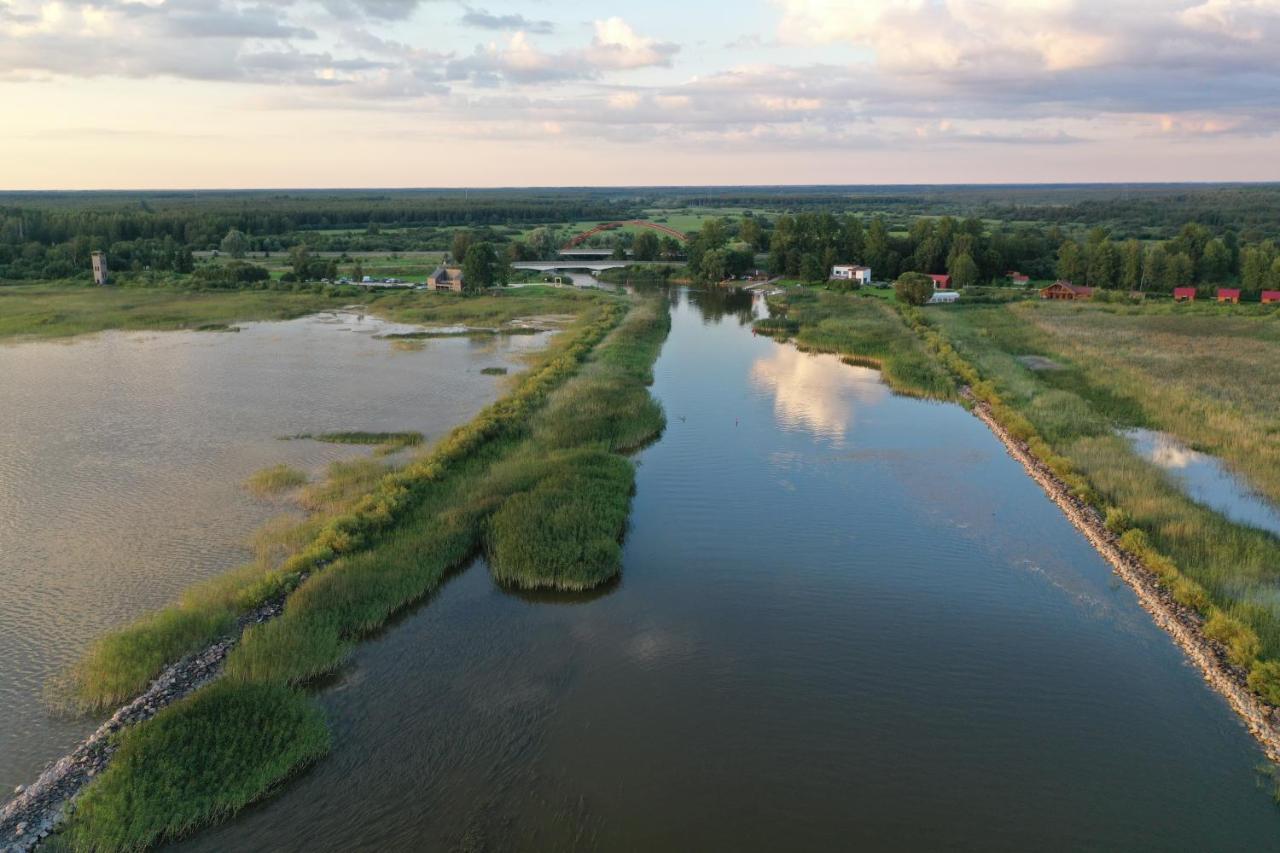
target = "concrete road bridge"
x: 571, y: 264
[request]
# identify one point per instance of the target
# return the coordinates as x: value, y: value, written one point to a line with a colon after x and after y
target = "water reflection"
x: 815, y: 392
x: 1206, y: 480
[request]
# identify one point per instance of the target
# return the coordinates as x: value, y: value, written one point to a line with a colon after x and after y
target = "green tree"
x: 300, y: 261
x: 1131, y: 266
x: 1071, y: 262
x: 1179, y: 271
x: 1273, y: 276
x: 1215, y: 263
x: 480, y: 268
x: 645, y: 247
x: 462, y: 242
x: 184, y: 261
x: 964, y: 271
x: 811, y: 269
x: 1255, y: 264
x: 913, y: 288
x: 1154, y: 264
x: 357, y: 272
x: 713, y: 265
x: 235, y: 244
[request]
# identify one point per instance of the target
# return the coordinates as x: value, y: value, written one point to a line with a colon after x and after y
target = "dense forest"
x: 1149, y: 237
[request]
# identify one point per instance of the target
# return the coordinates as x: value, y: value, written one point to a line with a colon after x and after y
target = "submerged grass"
x: 536, y: 480
x: 386, y: 442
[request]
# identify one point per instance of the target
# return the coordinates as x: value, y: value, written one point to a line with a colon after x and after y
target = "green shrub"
x: 1240, y: 640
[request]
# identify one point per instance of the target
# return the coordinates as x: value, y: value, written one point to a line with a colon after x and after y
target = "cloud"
x: 386, y: 10
x: 481, y: 19
x: 614, y: 47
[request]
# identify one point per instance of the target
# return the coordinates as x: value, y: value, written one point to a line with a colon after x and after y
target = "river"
x: 846, y: 620
x: 122, y: 457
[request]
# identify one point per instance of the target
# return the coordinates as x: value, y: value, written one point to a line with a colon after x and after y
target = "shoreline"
x: 36, y: 810
x: 1183, y: 624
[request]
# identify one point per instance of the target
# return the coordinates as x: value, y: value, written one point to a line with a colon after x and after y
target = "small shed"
x: 1270, y: 296
x: 1066, y: 290
x: 1229, y: 294
x: 1184, y: 294
x: 941, y: 297
x: 941, y: 282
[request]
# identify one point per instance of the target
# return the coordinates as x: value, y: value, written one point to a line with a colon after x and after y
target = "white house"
x: 848, y: 272
x: 941, y: 296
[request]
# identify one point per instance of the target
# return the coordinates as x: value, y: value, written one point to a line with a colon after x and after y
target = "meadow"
x: 64, y: 310
x: 537, y: 482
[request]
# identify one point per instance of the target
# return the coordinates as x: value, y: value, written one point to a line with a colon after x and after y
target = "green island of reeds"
x: 537, y: 482
x: 1186, y: 372
x: 385, y: 443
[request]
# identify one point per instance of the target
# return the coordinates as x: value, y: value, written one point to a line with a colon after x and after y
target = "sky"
x: 439, y: 93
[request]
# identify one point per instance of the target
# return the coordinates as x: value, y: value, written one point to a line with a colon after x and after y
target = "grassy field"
x: 537, y: 481
x: 1066, y: 379
x: 49, y: 310
x: 54, y: 310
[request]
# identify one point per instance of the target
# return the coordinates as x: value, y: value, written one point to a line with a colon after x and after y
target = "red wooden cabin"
x: 1184, y: 294
x: 1229, y: 294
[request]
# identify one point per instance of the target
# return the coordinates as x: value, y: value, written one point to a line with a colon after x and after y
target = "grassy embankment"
x: 536, y: 480
x: 1114, y: 368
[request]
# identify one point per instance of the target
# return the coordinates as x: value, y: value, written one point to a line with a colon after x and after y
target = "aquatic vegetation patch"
x: 387, y: 442
x: 196, y: 762
x: 274, y: 480
x: 494, y: 371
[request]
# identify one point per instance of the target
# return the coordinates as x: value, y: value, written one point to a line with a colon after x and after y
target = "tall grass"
x: 196, y: 762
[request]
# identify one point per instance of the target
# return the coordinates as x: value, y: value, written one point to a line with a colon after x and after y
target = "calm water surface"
x: 122, y: 455
x: 1206, y: 480
x: 847, y: 620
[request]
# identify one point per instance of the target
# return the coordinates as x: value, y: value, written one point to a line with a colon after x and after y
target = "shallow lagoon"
x: 122, y: 456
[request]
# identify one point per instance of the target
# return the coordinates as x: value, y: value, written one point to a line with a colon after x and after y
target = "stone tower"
x: 100, y: 274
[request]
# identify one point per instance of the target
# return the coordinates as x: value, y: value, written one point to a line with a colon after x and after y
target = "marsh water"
x: 1206, y: 480
x: 847, y: 620
x: 122, y: 457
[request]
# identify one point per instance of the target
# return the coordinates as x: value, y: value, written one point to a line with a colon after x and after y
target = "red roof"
x: 1229, y: 291
x: 1271, y: 296
x: 1184, y: 291
x: 943, y: 280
